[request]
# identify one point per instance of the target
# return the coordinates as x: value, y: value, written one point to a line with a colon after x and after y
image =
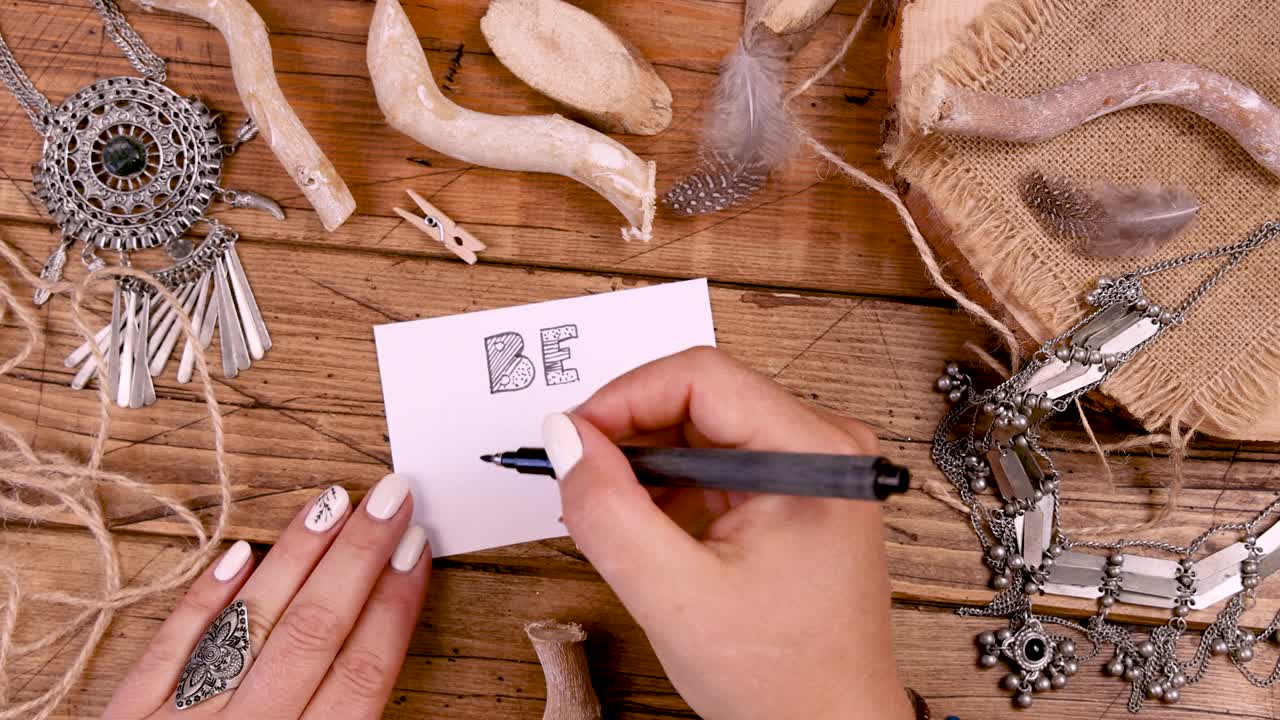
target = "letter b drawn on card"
x: 461, y: 386
x: 509, y: 369
x: 554, y: 355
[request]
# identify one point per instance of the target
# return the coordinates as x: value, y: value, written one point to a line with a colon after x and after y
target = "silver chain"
x: 1236, y: 253
x: 992, y: 525
x: 16, y: 79
x: 1129, y: 287
x: 143, y: 58
x: 38, y: 107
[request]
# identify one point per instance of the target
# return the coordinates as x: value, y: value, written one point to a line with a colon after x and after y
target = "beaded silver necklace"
x: 992, y: 437
x: 129, y: 165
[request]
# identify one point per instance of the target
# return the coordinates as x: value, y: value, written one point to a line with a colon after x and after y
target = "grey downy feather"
x: 1110, y: 220
x: 747, y: 130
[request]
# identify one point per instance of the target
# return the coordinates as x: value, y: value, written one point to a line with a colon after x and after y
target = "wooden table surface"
x: 813, y: 283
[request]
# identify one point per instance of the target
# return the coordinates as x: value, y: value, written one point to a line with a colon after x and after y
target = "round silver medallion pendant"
x: 1031, y: 649
x: 129, y: 164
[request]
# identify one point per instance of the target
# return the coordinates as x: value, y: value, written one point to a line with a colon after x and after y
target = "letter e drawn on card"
x: 554, y: 355
x: 509, y: 369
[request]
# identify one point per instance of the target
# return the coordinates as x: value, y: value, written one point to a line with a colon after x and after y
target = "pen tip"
x: 486, y: 458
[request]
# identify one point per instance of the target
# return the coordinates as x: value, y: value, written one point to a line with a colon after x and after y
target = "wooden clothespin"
x: 437, y: 224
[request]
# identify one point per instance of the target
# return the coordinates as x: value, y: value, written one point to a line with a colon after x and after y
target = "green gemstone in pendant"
x: 124, y: 156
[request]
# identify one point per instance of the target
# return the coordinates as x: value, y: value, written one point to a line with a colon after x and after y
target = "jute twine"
x: 26, y: 473
x: 43, y: 475
x: 933, y: 488
x: 31, y: 479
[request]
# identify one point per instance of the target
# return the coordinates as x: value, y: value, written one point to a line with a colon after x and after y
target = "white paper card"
x: 459, y: 387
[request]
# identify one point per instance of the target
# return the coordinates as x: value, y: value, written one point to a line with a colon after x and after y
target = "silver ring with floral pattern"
x: 219, y: 660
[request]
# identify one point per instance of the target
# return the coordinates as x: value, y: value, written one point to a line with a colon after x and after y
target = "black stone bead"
x: 1035, y: 649
x: 124, y: 156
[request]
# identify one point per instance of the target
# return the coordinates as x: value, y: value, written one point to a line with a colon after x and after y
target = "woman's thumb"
x: 631, y: 542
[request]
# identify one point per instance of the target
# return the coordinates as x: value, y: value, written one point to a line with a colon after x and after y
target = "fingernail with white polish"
x: 562, y: 443
x: 387, y: 497
x: 328, y: 509
x: 409, y: 551
x: 233, y: 562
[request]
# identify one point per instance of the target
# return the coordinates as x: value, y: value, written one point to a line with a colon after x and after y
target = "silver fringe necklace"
x: 991, y: 438
x: 129, y: 165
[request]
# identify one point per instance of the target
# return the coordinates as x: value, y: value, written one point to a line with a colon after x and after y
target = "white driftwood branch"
x: 576, y: 59
x: 254, y: 72
x: 1240, y: 111
x: 785, y: 17
x: 570, y: 695
x: 414, y: 105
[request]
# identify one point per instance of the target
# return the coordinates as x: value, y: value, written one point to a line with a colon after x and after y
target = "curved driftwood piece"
x: 255, y: 77
x: 785, y: 17
x: 414, y: 105
x: 570, y: 695
x: 576, y: 59
x: 1240, y: 111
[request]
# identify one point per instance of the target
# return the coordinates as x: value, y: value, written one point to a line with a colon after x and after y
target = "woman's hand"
x: 329, y: 615
x: 762, y: 607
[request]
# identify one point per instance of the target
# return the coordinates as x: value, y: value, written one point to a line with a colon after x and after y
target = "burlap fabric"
x: 1222, y: 369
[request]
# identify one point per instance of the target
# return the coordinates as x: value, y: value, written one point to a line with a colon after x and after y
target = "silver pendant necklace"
x: 992, y: 438
x: 129, y: 165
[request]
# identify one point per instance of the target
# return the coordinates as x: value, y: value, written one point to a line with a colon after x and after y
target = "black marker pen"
x: 857, y: 477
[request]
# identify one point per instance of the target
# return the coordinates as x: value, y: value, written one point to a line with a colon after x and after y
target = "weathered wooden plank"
x: 321, y: 306
x: 872, y: 359
x: 311, y: 413
x: 469, y: 659
x: 803, y: 231
x: 329, y: 39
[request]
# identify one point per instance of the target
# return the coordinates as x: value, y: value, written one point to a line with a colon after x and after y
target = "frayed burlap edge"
x: 998, y: 37
x: 1012, y: 267
x: 960, y: 196
x: 1227, y: 404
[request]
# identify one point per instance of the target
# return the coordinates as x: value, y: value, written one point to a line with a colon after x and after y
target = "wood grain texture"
x: 249, y: 50
x: 803, y: 232
x: 814, y: 285
x: 469, y: 659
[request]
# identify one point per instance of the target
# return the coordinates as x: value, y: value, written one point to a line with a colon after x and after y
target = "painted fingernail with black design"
x: 329, y: 508
x: 387, y: 497
x: 232, y: 562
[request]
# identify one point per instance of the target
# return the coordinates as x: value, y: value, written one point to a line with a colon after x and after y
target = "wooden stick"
x: 570, y: 695
x: 414, y: 105
x: 1240, y: 111
x: 255, y: 77
x: 574, y: 58
x: 785, y: 17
